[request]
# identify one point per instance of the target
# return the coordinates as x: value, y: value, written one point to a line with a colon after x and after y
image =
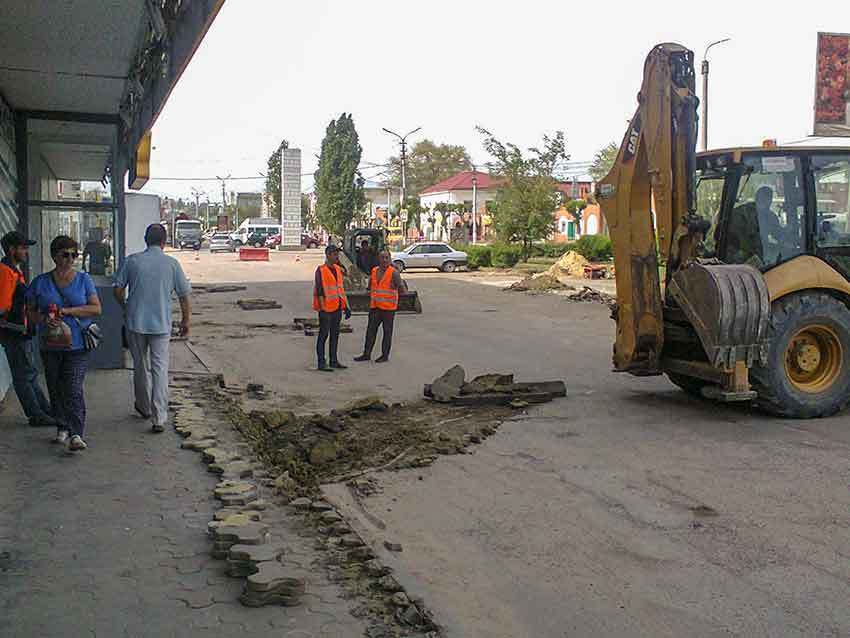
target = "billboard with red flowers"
x: 832, y: 85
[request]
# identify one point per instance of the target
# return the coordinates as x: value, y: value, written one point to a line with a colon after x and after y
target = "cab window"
x: 766, y: 224
x: 709, y: 198
x: 832, y: 178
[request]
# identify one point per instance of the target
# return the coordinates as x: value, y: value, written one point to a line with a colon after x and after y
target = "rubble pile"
x: 491, y: 389
x: 592, y: 295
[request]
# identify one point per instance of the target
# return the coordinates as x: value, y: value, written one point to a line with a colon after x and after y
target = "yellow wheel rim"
x: 813, y: 359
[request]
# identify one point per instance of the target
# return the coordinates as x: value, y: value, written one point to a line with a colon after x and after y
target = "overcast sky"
x: 272, y: 69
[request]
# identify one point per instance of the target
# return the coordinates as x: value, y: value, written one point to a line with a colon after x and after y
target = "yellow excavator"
x: 732, y: 265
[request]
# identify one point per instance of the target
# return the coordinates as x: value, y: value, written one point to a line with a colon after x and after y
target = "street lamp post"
x: 403, y: 141
x: 705, y: 92
x: 474, y: 206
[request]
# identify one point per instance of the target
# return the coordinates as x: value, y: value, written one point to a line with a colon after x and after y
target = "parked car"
x: 273, y: 241
x: 310, y: 241
x: 257, y: 240
x: 221, y: 242
x: 429, y: 255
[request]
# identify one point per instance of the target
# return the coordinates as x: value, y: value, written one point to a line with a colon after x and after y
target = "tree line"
x: 527, y: 191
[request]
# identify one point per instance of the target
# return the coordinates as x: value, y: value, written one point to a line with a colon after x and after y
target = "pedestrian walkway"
x: 112, y: 541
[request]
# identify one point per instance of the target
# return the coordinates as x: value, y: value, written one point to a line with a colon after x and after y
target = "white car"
x: 429, y: 255
x: 221, y: 242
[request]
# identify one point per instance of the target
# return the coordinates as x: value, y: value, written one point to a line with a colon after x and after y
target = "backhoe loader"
x: 732, y: 265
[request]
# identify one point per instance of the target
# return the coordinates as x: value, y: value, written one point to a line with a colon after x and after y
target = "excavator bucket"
x: 729, y: 307
x: 356, y: 282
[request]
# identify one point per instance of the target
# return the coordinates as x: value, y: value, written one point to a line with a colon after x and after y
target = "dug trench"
x: 300, y: 453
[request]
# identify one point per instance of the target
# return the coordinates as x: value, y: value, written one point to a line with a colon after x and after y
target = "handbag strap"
x: 66, y: 303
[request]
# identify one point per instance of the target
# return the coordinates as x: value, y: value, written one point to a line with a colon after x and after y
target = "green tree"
x: 575, y: 207
x: 308, y: 218
x: 339, y: 186
x: 429, y: 163
x: 603, y: 161
x: 528, y: 194
x: 272, y: 191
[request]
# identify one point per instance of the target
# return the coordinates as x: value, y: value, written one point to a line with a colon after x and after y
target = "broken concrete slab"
x: 488, y: 383
x: 448, y: 386
x: 258, y: 304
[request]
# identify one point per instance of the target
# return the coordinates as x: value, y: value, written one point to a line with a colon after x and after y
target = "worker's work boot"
x: 324, y: 367
x: 382, y: 359
x: 338, y: 366
x: 363, y: 357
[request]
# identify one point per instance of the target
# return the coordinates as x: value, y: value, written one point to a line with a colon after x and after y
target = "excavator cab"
x: 733, y: 266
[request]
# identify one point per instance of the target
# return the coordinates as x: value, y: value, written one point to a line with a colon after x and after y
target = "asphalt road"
x: 626, y: 509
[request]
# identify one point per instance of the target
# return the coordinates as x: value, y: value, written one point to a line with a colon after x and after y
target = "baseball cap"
x: 331, y: 249
x: 15, y: 238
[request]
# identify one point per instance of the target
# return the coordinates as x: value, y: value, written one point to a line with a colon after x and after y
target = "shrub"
x: 593, y: 247
x: 554, y: 248
x: 505, y: 255
x: 479, y: 256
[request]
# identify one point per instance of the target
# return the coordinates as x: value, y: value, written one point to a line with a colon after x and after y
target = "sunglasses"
x: 68, y: 254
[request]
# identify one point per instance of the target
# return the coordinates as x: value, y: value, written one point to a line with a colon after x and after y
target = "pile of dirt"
x: 305, y: 451
x: 569, y: 266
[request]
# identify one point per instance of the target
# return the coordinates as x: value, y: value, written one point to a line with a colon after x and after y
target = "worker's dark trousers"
x: 377, y: 318
x: 328, y: 327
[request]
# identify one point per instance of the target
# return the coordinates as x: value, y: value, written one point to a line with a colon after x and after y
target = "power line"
x: 201, y: 179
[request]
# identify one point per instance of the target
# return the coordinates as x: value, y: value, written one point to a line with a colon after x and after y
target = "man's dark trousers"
x: 21, y: 358
x: 378, y: 317
x: 328, y: 327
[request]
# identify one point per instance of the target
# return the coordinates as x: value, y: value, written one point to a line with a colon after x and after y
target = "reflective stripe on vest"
x: 381, y: 293
x: 334, y: 292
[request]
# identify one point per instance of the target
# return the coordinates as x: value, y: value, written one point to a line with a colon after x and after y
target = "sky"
x: 271, y: 69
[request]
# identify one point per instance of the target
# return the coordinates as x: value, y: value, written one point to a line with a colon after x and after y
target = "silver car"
x: 429, y: 255
x: 221, y: 242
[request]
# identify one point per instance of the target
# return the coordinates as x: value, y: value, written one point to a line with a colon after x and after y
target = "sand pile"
x: 569, y: 266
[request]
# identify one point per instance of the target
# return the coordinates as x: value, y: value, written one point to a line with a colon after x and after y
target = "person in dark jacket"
x: 15, y: 335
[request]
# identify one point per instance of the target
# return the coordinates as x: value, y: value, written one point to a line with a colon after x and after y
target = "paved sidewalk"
x: 112, y: 542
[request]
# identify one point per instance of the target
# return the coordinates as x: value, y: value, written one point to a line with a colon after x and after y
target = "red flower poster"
x: 832, y: 85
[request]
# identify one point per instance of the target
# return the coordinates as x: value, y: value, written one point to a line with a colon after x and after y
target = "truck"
x: 187, y: 234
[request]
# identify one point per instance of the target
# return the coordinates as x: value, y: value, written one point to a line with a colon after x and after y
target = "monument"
x: 290, y: 199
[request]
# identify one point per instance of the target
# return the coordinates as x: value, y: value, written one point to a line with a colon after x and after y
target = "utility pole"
x: 705, y: 92
x: 474, y: 205
x: 223, y: 181
x: 403, y: 141
x: 196, y: 193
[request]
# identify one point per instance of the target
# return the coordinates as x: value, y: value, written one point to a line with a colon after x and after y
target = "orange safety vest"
x: 334, y: 292
x: 381, y: 293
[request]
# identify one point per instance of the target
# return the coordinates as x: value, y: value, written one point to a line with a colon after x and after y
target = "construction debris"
x: 225, y: 288
x: 588, y: 294
x: 542, y: 282
x: 258, y: 304
x: 570, y: 266
x: 310, y: 324
x: 491, y: 389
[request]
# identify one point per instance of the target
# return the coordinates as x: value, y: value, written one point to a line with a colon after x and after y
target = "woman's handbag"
x: 92, y: 335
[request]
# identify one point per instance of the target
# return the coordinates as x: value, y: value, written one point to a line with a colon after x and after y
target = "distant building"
x: 249, y: 205
x: 379, y: 199
x: 455, y: 190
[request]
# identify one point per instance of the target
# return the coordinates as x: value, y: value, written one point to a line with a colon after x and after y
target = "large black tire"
x: 691, y: 385
x: 778, y: 393
x: 449, y: 266
x: 399, y: 265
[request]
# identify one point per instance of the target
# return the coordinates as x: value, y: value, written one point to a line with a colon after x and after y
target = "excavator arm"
x: 649, y: 205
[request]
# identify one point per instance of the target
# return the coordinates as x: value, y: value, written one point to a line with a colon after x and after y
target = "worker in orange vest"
x: 384, y: 287
x: 330, y: 302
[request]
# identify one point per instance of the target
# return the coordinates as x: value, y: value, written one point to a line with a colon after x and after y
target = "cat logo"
x: 634, y: 136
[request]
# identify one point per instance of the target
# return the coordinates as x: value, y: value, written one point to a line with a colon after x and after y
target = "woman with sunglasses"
x: 65, y: 295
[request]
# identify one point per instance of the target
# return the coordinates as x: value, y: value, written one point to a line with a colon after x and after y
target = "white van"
x: 255, y: 231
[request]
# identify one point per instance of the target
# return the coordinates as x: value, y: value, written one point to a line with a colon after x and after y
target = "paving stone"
x: 249, y: 534
x: 195, y: 599
x: 350, y: 540
x: 258, y: 505
x: 218, y: 455
x: 198, y: 445
x: 321, y: 506
x: 410, y: 616
x: 389, y: 584
x: 375, y: 569
x: 393, y: 547
x: 339, y: 529
x: 237, y: 469
x: 236, y: 492
x: 330, y: 517
x: 361, y: 554
x: 399, y: 599
x: 244, y: 560
x: 274, y: 576
x: 224, y: 513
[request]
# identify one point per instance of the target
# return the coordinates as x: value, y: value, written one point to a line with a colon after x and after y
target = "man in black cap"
x: 15, y: 336
x: 330, y: 302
